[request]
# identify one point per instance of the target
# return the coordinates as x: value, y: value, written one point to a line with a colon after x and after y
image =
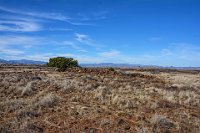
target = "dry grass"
x: 48, y: 100
x: 98, y: 100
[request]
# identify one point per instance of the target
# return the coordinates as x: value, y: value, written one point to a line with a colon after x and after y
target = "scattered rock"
x: 36, y: 78
x: 159, y: 121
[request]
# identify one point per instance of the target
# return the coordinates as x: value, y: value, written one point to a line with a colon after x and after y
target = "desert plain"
x: 37, y: 99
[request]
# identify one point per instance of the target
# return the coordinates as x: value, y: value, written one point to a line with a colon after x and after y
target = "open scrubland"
x: 36, y: 99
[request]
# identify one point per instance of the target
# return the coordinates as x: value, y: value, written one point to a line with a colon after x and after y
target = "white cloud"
x: 16, y: 24
x: 85, y: 39
x: 17, y: 20
x: 21, y: 26
x: 82, y: 50
x: 80, y: 23
x: 59, y: 29
x: 60, y: 45
x: 20, y: 18
x: 44, y: 15
x: 82, y: 37
x: 71, y: 44
x: 11, y: 52
x: 54, y: 16
x: 184, y: 51
x: 98, y: 15
x: 112, y: 56
x: 37, y: 56
x: 175, y: 55
x: 17, y: 45
x: 45, y: 56
x: 8, y: 40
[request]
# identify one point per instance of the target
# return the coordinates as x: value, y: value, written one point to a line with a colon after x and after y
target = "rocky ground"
x: 99, y: 100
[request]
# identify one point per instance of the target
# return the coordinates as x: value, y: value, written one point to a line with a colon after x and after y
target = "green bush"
x: 62, y: 63
x: 111, y: 69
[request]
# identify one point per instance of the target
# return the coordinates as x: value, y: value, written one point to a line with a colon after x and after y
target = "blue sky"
x: 150, y: 32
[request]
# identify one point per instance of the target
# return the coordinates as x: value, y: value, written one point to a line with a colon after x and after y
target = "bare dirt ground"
x: 98, y: 100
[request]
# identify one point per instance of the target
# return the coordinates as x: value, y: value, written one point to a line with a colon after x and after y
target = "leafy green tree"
x: 62, y: 63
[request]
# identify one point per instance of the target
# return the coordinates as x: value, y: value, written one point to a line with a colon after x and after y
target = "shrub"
x: 62, y: 63
x: 111, y: 69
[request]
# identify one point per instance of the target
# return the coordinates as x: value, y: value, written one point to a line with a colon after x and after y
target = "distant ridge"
x: 23, y: 61
x: 124, y: 65
x: 102, y: 65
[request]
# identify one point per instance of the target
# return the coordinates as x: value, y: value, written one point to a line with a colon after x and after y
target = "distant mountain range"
x: 23, y: 61
x: 116, y: 65
x: 122, y: 65
x: 32, y: 62
x: 136, y: 66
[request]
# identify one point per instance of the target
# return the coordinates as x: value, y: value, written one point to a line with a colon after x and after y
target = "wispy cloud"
x: 25, y: 25
x: 21, y: 26
x: 176, y: 54
x: 54, y: 16
x: 15, y: 23
x: 47, y: 15
x: 11, y: 51
x: 17, y: 45
x: 82, y: 37
x: 8, y: 40
x: 74, y: 46
x: 46, y: 56
x: 109, y: 56
x: 98, y: 15
x: 183, y: 51
x: 19, y: 20
x: 27, y: 42
x: 23, y: 21
x: 89, y: 18
x: 85, y: 39
x: 17, y: 55
x: 77, y: 23
x: 7, y: 17
x: 59, y: 29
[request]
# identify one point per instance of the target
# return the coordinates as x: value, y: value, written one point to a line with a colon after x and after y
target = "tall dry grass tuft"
x: 49, y: 100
